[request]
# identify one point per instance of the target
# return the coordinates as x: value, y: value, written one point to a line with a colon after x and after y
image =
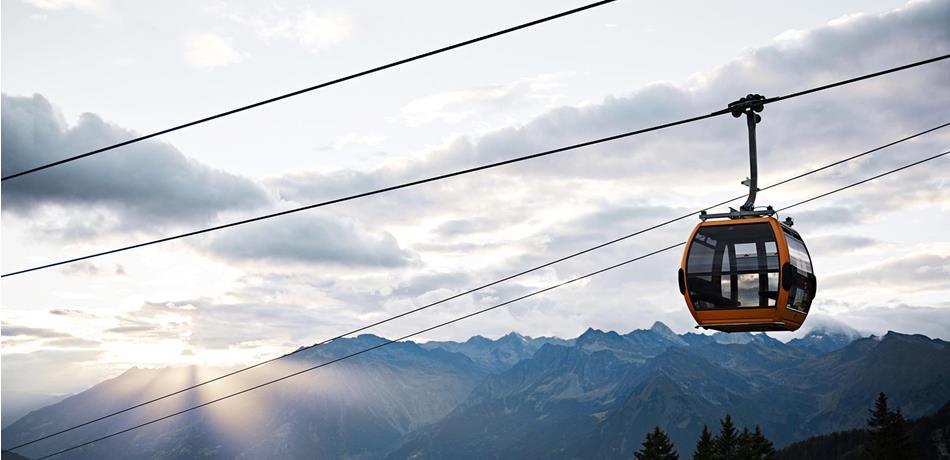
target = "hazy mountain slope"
x: 16, y: 404
x: 359, y: 408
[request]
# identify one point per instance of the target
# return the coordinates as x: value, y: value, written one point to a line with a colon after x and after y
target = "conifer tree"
x: 744, y: 449
x: 726, y: 443
x: 887, y: 433
x: 753, y: 445
x: 762, y: 448
x: 705, y: 449
x: 657, y: 446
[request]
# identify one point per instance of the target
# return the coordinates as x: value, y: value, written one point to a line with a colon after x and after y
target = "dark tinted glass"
x: 733, y: 266
x: 803, y: 281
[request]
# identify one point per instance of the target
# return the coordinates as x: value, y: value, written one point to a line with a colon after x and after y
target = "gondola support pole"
x: 750, y: 106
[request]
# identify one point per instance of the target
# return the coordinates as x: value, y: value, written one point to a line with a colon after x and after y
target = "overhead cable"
x: 366, y: 194
x: 310, y: 88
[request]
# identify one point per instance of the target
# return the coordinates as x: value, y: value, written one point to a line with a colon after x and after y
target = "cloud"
x: 427, y: 282
x: 830, y: 216
x: 207, y: 50
x: 356, y: 139
x: 310, y: 238
x: 692, y: 160
x: 10, y: 330
x: 55, y: 5
x: 133, y: 330
x: 74, y: 342
x: 143, y: 186
x: 151, y: 186
x: 905, y: 273
x: 908, y: 319
x: 840, y: 244
x: 135, y: 327
x: 311, y: 28
x: 84, y: 268
x: 71, y: 312
x: 458, y: 105
x: 323, y: 29
x: 207, y: 324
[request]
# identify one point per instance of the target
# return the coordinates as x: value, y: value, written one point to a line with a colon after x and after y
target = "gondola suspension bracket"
x: 750, y: 106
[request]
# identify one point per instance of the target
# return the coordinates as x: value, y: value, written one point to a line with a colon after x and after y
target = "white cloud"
x: 455, y: 106
x: 913, y: 272
x: 207, y: 50
x: 150, y: 183
x: 314, y: 29
x: 54, y: 5
x: 325, y: 29
x: 356, y: 140
x: 907, y: 319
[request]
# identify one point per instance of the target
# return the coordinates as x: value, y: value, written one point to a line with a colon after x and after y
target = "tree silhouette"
x: 744, y: 450
x: 753, y: 445
x: 730, y: 444
x: 887, y: 433
x: 726, y: 444
x: 762, y: 448
x: 657, y: 446
x: 705, y: 450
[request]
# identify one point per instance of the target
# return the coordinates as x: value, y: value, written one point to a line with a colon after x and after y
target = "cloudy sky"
x: 81, y: 74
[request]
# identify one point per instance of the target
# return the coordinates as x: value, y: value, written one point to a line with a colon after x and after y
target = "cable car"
x: 744, y: 270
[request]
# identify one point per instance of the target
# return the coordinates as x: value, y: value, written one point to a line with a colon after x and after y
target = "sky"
x: 82, y: 74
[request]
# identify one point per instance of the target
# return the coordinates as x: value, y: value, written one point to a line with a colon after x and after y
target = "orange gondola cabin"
x: 744, y: 270
x: 747, y: 274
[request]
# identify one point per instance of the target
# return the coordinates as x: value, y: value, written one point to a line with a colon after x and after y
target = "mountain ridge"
x: 515, y: 396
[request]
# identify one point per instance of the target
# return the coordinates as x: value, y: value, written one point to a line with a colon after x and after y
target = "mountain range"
x: 594, y: 396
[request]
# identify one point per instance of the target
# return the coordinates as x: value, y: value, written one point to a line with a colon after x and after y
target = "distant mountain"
x: 539, y: 403
x: 598, y: 398
x: 826, y: 338
x: 515, y: 397
x: 497, y: 355
x: 16, y: 404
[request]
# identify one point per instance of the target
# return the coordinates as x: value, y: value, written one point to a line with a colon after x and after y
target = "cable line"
x: 856, y: 79
x: 440, y: 50
x: 314, y: 87
x: 372, y: 192
x: 471, y: 170
x: 855, y: 184
x: 479, y: 288
x: 469, y: 315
